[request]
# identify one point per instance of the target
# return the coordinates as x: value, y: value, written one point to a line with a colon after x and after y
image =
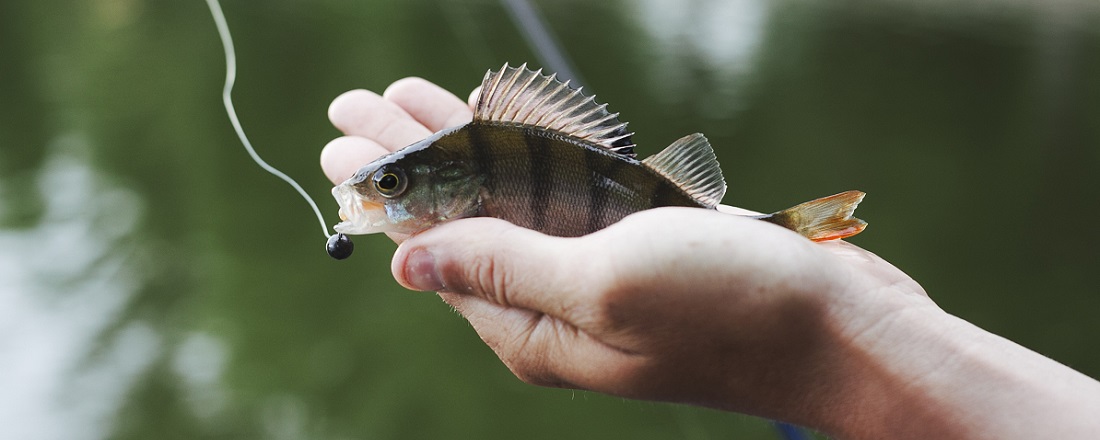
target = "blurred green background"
x: 155, y: 283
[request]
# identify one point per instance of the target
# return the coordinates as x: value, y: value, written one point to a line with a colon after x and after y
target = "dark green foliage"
x: 975, y: 133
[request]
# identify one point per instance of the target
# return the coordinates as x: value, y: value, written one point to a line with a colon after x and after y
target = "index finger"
x: 365, y: 114
x: 428, y: 103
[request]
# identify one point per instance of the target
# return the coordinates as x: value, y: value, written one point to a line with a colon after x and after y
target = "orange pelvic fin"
x: 827, y: 218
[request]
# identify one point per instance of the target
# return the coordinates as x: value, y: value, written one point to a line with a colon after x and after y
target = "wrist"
x: 883, y: 356
x: 824, y: 368
x: 915, y: 371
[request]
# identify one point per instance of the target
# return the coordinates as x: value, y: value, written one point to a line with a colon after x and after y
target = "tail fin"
x: 827, y: 218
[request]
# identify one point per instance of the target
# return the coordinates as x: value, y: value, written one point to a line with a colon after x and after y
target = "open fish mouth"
x: 359, y: 216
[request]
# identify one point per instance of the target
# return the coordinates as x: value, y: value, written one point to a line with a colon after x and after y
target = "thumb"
x: 524, y: 293
x: 500, y: 263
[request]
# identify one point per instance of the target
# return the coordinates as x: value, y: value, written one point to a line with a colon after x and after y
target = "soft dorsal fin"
x: 690, y: 164
x: 517, y: 95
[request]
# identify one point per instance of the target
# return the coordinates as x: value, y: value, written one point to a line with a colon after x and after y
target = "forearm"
x: 922, y: 373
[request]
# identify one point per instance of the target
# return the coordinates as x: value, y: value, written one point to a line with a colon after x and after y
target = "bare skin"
x: 701, y: 307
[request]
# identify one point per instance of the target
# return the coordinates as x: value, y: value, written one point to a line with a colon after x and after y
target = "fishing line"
x: 339, y: 246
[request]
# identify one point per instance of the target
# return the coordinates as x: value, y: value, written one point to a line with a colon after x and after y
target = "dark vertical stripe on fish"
x: 538, y: 152
x: 667, y: 194
x: 614, y: 209
x: 479, y: 146
x: 479, y: 143
x: 597, y: 196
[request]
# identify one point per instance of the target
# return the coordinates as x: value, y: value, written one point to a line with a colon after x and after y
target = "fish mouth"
x: 359, y: 215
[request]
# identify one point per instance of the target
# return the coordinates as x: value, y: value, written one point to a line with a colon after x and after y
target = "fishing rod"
x: 538, y: 36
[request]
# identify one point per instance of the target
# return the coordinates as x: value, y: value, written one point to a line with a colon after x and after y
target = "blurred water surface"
x: 154, y: 283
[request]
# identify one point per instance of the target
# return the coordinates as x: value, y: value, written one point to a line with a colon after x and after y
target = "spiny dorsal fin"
x: 690, y: 164
x: 517, y: 95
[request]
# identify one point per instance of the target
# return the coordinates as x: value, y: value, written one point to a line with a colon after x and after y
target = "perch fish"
x: 543, y: 156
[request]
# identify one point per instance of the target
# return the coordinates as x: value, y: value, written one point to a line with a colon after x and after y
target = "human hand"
x: 672, y: 304
x: 669, y: 304
x: 681, y: 304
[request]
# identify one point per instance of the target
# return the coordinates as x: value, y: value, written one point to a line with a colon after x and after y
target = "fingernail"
x: 421, y: 273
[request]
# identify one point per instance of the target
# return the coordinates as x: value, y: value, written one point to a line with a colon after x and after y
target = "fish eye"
x: 390, y: 181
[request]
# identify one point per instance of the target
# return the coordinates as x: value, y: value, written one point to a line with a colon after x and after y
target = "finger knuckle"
x: 533, y: 355
x: 488, y: 277
x: 530, y: 367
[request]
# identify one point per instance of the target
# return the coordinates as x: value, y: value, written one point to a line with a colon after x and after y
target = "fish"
x: 544, y: 156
